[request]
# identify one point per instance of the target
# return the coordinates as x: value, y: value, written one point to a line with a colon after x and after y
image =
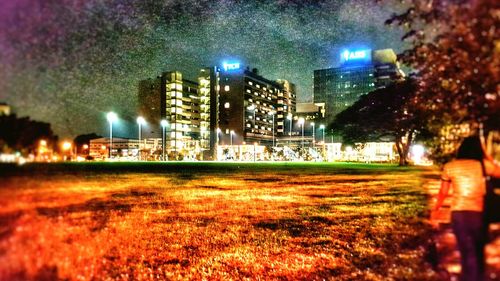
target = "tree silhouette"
x: 387, y: 114
x: 23, y: 134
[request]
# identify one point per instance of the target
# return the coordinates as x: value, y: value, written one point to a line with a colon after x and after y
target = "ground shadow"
x: 102, y: 208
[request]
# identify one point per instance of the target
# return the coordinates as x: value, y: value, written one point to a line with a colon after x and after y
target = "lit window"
x: 226, y: 88
x: 250, y: 83
x: 258, y: 86
x: 226, y: 105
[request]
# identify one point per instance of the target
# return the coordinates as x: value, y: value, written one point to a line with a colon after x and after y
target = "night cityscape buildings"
x: 228, y: 105
x: 233, y: 108
x: 359, y: 73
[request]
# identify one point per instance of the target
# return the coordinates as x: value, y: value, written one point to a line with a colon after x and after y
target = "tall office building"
x: 286, y: 105
x: 359, y: 73
x: 247, y: 103
x: 208, y: 81
x: 176, y: 100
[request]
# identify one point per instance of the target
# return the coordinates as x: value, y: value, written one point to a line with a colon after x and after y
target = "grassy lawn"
x: 275, y: 221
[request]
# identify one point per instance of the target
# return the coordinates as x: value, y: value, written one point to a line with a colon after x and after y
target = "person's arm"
x: 443, y: 192
x: 492, y: 168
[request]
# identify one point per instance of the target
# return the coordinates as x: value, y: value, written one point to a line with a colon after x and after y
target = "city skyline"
x: 71, y: 81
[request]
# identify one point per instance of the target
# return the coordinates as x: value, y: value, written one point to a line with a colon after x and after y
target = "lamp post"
x: 112, y: 117
x: 289, y: 117
x: 301, y: 123
x: 314, y: 136
x: 66, y: 146
x: 254, y: 145
x: 232, y: 133
x: 322, y: 128
x: 218, y: 137
x: 163, y: 124
x: 273, y: 113
x: 140, y: 121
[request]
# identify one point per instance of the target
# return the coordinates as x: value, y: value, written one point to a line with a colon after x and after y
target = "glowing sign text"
x: 231, y: 66
x: 356, y: 55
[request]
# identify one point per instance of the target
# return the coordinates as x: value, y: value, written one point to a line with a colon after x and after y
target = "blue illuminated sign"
x: 231, y: 66
x: 358, y: 55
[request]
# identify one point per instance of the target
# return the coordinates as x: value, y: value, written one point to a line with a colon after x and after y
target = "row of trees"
x: 455, y: 56
x: 21, y: 134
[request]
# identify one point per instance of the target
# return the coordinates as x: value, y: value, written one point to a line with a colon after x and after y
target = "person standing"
x: 465, y: 177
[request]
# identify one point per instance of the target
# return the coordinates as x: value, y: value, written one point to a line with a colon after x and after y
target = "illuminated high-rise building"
x: 247, y: 103
x: 286, y: 106
x: 176, y: 100
x: 359, y: 73
x: 227, y: 105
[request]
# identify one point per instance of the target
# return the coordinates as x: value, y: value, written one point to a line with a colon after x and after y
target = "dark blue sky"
x: 68, y: 62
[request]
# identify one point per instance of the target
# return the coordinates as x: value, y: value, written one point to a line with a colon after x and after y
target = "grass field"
x: 214, y: 221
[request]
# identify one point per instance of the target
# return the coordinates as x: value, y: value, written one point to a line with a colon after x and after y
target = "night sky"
x: 68, y: 62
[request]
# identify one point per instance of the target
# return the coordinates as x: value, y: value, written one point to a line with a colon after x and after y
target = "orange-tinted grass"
x: 274, y: 225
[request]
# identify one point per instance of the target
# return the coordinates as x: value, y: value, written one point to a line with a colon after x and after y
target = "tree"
x: 23, y: 134
x: 81, y: 140
x: 456, y: 54
x: 385, y: 114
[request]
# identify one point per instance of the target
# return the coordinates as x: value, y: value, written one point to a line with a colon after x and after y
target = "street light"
x: 232, y: 133
x: 112, y: 117
x: 322, y: 127
x: 254, y: 152
x: 218, y: 133
x: 314, y: 137
x: 140, y: 121
x: 301, y: 123
x: 273, y: 113
x: 163, y: 124
x: 66, y: 146
x: 289, y: 117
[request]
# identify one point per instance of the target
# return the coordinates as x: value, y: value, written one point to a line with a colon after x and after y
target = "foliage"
x: 456, y: 53
x: 80, y: 140
x: 23, y: 135
x: 386, y: 114
x: 215, y: 222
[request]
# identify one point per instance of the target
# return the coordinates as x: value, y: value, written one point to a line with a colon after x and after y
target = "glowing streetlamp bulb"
x: 164, y: 123
x: 301, y: 120
x: 66, y: 145
x: 43, y: 143
x: 141, y: 120
x: 112, y: 117
x: 322, y: 127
